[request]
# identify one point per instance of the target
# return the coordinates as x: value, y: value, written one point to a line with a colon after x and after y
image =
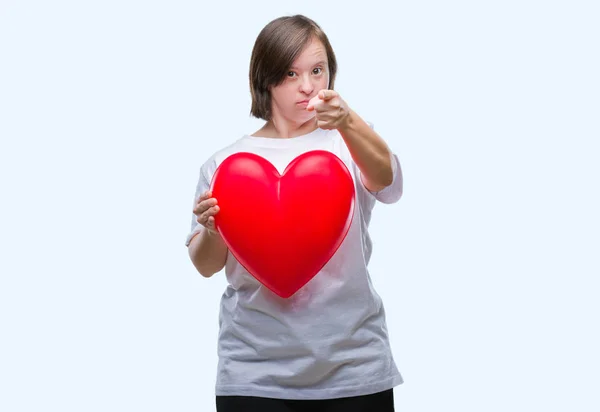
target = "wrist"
x: 348, y: 122
x: 211, y: 234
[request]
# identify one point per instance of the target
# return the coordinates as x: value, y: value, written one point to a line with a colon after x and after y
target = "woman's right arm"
x: 208, y: 252
x: 207, y: 249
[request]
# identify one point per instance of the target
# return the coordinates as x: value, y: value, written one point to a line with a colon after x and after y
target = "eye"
x: 291, y: 74
x: 317, y: 70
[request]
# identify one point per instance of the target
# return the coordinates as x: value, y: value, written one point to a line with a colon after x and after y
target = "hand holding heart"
x: 205, y: 209
x: 331, y: 111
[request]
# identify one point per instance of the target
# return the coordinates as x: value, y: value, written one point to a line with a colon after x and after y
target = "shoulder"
x: 211, y: 163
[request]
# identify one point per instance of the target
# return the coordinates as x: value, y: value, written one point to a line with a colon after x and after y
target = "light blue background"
x: 488, y: 266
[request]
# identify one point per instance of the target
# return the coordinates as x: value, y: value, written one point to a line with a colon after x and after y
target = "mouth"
x: 303, y: 102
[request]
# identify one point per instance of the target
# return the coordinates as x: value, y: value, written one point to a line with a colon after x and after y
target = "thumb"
x: 327, y: 94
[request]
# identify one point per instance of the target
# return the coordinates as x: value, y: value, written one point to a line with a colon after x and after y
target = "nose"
x: 306, y: 85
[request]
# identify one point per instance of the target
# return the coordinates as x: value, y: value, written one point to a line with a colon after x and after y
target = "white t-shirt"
x: 329, y: 339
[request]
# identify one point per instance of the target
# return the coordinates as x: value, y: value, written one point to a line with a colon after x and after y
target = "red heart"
x: 283, y: 228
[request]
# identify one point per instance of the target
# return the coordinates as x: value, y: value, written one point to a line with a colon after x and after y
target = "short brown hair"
x: 276, y: 47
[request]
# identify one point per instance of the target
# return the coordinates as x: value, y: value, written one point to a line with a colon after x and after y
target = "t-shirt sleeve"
x: 202, y: 186
x: 393, y: 192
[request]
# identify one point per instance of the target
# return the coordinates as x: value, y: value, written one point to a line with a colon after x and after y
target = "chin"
x: 305, y: 117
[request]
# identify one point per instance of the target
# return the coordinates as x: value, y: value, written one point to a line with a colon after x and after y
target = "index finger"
x: 204, y: 196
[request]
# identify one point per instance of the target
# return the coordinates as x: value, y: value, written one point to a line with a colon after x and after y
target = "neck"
x: 283, y: 128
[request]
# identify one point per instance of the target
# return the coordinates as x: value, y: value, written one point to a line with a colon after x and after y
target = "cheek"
x: 291, y: 95
x: 283, y: 96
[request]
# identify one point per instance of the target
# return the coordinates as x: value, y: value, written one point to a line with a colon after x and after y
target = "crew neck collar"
x: 278, y: 141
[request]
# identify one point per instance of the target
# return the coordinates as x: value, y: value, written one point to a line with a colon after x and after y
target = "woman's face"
x: 308, y: 75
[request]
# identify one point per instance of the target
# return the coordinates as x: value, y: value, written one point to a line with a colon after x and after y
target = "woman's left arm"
x: 369, y: 151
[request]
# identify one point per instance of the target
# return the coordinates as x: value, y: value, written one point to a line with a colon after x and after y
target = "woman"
x: 326, y: 347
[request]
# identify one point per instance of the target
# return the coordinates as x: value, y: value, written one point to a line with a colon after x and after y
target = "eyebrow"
x: 322, y: 63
